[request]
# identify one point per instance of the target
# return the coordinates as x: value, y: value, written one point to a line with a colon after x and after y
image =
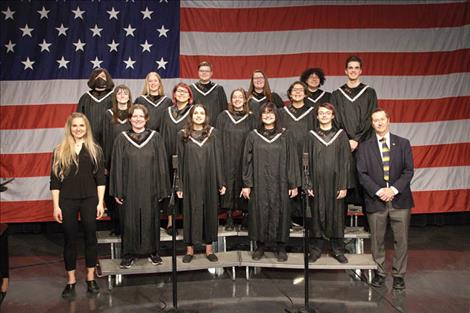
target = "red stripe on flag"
x: 288, y: 65
x: 427, y: 110
x: 441, y: 155
x: 324, y: 16
x: 35, y: 116
x: 30, y: 211
x: 25, y: 165
x: 440, y: 201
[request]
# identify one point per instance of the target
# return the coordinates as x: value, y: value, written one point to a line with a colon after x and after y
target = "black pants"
x: 87, y: 209
x: 337, y: 245
x: 4, y: 272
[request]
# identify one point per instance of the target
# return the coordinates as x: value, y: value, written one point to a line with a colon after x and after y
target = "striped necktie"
x: 385, y: 159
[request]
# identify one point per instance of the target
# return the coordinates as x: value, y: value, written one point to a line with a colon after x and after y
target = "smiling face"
x: 381, y: 123
x: 122, y: 96
x: 258, y: 80
x: 238, y: 100
x: 297, y: 93
x: 182, y: 94
x: 325, y: 116
x: 199, y: 116
x: 138, y: 120
x: 353, y: 70
x: 153, y: 84
x: 313, y: 81
x: 205, y: 73
x: 268, y: 118
x: 78, y: 128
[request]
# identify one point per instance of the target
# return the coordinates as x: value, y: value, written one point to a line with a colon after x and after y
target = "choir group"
x: 245, y: 156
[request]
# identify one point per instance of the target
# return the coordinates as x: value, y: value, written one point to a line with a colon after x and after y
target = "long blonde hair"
x: 146, y: 89
x: 64, y: 153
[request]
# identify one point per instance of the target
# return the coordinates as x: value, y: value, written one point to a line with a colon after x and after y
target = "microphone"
x: 174, y: 161
x: 305, y: 161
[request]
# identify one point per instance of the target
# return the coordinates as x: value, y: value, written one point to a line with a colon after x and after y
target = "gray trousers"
x: 399, y: 222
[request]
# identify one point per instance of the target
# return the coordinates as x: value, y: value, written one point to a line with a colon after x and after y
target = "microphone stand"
x: 172, y: 207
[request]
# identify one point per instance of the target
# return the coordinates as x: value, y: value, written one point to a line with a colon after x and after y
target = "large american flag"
x: 416, y: 55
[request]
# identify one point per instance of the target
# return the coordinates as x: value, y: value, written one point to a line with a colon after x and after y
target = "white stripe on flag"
x: 441, y: 178
x: 28, y: 189
x: 30, y: 140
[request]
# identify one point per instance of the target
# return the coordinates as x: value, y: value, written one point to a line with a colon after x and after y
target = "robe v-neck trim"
x: 118, y: 119
x: 154, y: 104
x: 139, y: 146
x: 258, y: 100
x: 318, y: 98
x: 200, y: 144
x: 236, y: 121
x: 301, y: 116
x: 176, y: 121
x: 356, y: 97
x: 202, y: 92
x: 266, y: 139
x: 99, y: 100
x: 323, y: 141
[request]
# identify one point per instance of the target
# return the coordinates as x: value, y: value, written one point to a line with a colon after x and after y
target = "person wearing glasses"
x: 260, y: 92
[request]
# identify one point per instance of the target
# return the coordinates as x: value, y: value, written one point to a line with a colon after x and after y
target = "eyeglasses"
x: 182, y: 91
x: 258, y: 78
x: 326, y: 113
x: 298, y: 89
x: 267, y: 113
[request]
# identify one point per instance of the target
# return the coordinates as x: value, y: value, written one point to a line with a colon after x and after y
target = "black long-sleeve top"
x: 82, y: 183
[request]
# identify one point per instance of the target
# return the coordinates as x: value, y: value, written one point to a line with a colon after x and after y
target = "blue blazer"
x: 371, y: 175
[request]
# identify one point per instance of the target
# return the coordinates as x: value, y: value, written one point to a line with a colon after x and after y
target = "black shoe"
x: 169, y: 230
x: 212, y: 257
x: 188, y: 258
x: 92, y: 287
x: 314, y: 256
x: 2, y: 296
x: 282, y: 255
x: 378, y: 281
x: 244, y: 225
x: 339, y: 257
x: 229, y: 224
x: 398, y: 283
x: 126, y: 262
x: 69, y: 291
x: 259, y: 252
x: 155, y: 259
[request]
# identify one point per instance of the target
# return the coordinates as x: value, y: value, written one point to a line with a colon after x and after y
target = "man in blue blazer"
x: 385, y: 169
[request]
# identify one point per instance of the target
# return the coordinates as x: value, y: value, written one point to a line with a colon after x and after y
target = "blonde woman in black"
x: 78, y: 186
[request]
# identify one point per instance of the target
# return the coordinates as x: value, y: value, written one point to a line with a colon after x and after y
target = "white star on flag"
x: 113, y: 13
x: 161, y: 64
x: 129, y: 63
x: 162, y: 31
x: 147, y: 13
x: 113, y: 46
x: 8, y: 14
x: 79, y: 45
x: 78, y: 13
x: 27, y: 31
x: 10, y: 46
x: 96, y: 31
x: 146, y: 46
x: 44, y: 46
x: 62, y: 62
x: 62, y: 30
x: 28, y: 63
x: 96, y: 63
x: 129, y: 31
x: 43, y: 13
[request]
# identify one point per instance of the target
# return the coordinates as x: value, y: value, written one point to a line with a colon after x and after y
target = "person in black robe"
x: 270, y: 177
x: 139, y: 180
x: 297, y: 117
x: 329, y: 177
x: 234, y: 124
x: 154, y: 99
x: 200, y: 181
x: 96, y: 101
x: 209, y: 93
x: 354, y: 103
x: 115, y: 122
x: 173, y: 121
x: 314, y: 78
x: 260, y: 93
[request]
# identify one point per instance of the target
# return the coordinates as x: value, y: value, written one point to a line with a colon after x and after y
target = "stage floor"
x: 438, y: 280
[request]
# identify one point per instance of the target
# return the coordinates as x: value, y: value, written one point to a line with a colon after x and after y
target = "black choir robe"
x: 200, y: 176
x: 111, y: 130
x: 330, y: 170
x: 94, y: 104
x: 270, y: 169
x: 157, y: 107
x: 256, y: 100
x: 299, y: 122
x: 354, y: 108
x: 139, y: 175
x: 233, y: 129
x: 318, y: 97
x: 212, y: 96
